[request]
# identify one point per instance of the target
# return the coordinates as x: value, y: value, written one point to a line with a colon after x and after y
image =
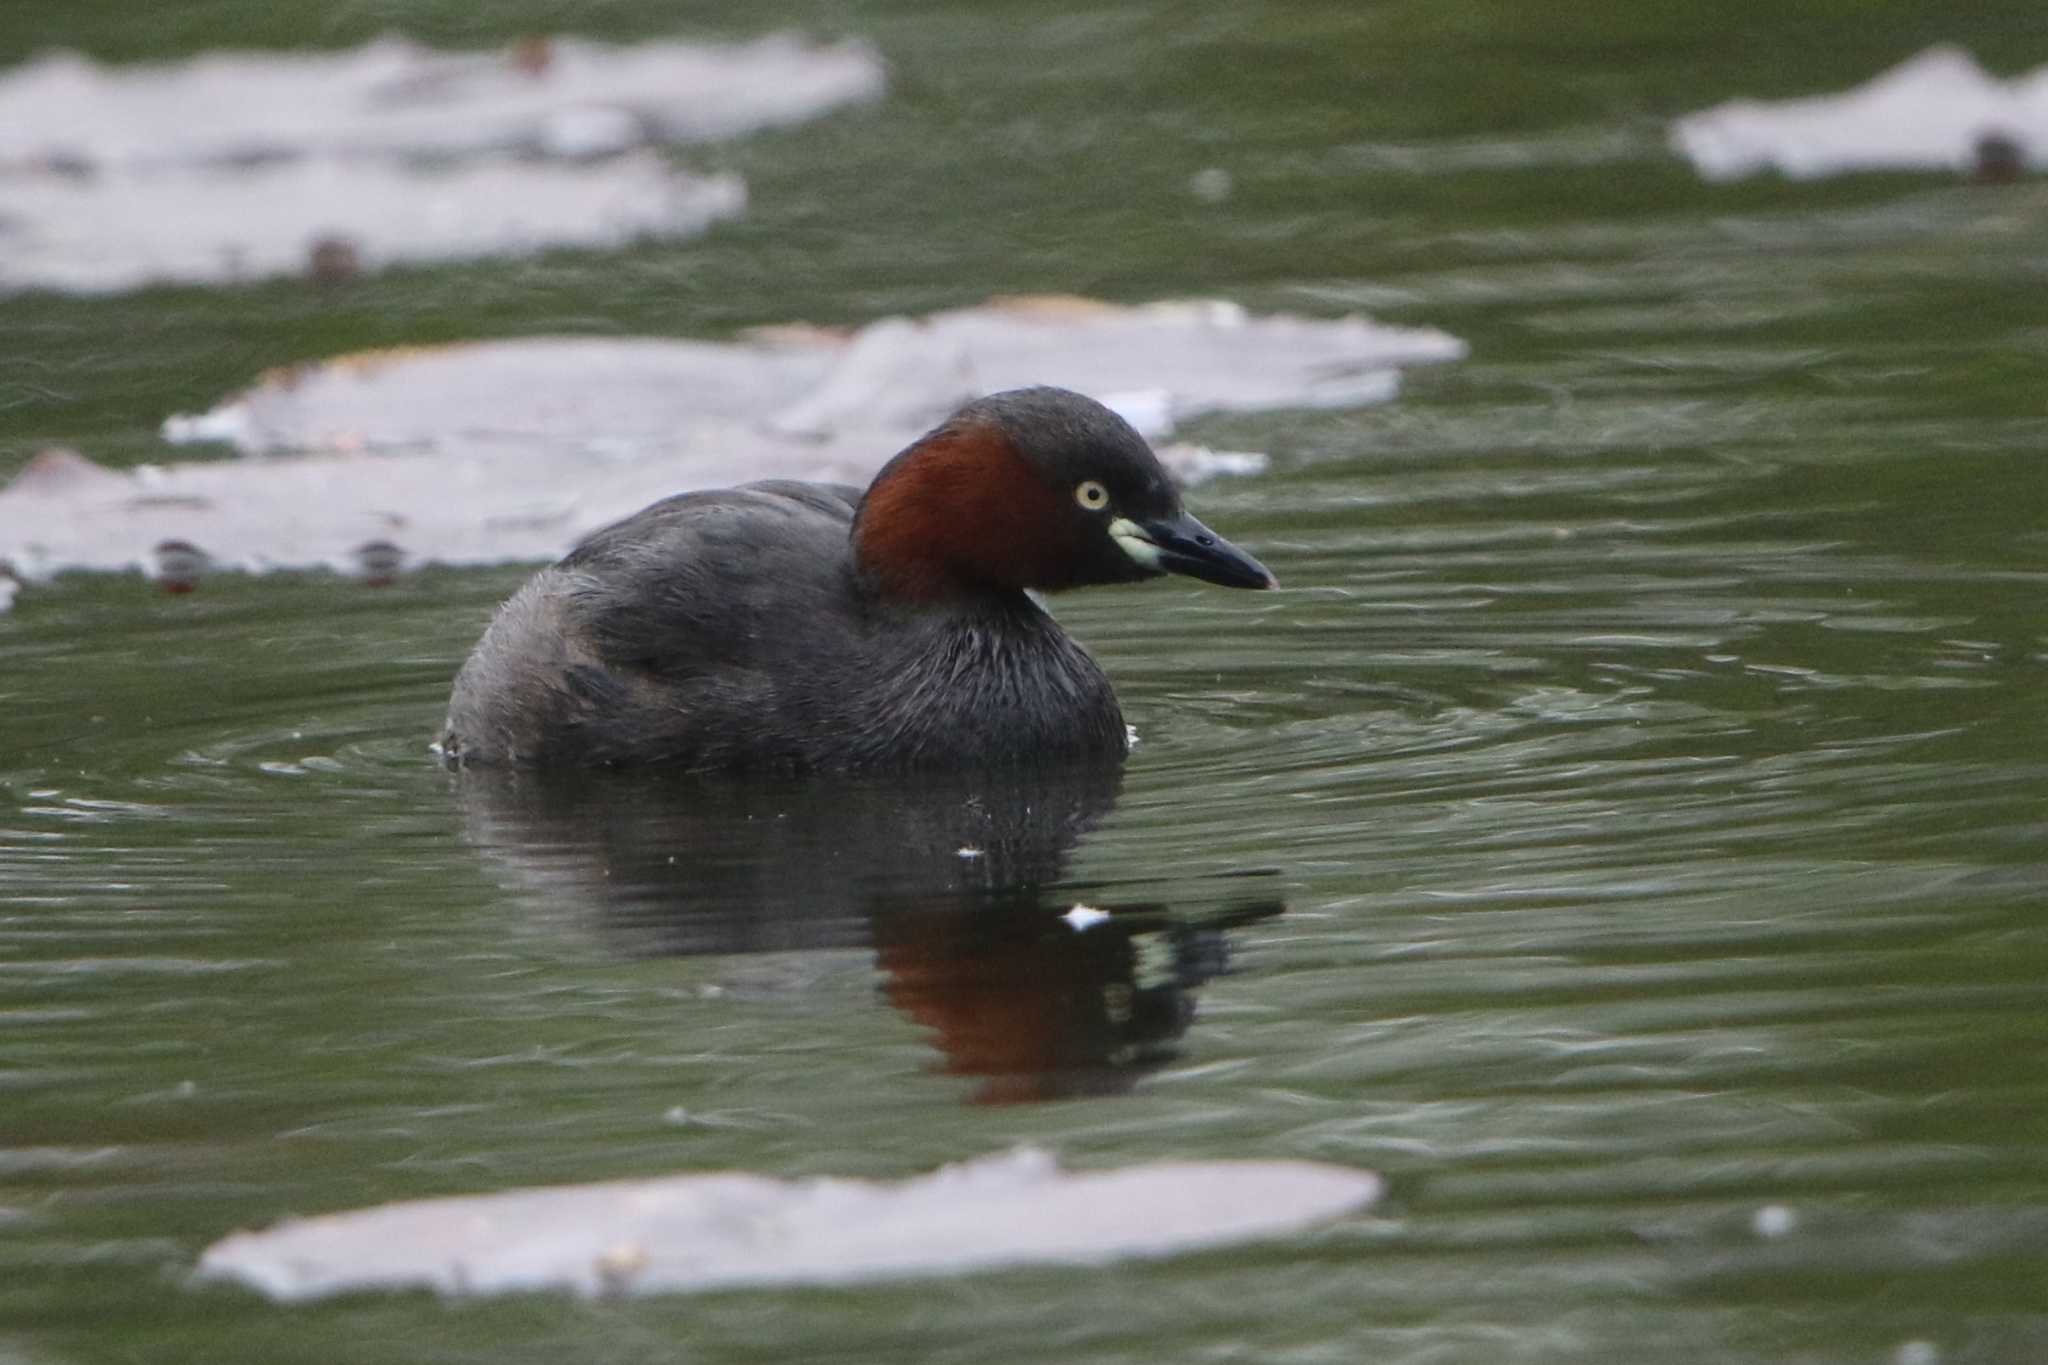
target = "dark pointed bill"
x: 1183, y: 545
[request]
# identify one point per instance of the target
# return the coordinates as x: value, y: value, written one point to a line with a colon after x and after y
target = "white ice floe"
x: 495, y: 452
x: 698, y: 1232
x: 1157, y: 364
x: 394, y: 97
x: 332, y: 218
x: 1937, y: 111
x: 232, y: 167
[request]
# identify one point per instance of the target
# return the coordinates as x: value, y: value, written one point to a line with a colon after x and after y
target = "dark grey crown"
x: 1069, y: 437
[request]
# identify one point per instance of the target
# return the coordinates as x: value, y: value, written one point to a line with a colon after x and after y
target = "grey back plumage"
x: 731, y: 630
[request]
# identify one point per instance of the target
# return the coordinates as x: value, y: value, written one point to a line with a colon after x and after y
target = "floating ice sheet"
x: 547, y: 95
x: 505, y: 451
x: 1156, y: 363
x: 234, y: 167
x: 698, y: 1232
x: 1937, y: 111
x: 93, y: 235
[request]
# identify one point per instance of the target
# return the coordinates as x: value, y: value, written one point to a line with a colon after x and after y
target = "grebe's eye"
x: 1091, y: 495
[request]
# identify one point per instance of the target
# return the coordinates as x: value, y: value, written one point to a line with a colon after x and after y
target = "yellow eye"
x: 1091, y: 495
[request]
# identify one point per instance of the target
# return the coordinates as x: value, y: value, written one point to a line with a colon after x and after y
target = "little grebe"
x: 789, y: 626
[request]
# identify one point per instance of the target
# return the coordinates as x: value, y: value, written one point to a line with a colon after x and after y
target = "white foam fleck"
x: 1773, y: 1221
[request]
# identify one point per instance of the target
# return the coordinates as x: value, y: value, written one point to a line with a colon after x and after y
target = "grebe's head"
x: 1035, y: 488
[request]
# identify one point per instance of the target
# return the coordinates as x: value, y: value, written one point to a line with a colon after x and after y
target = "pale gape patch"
x: 1131, y: 540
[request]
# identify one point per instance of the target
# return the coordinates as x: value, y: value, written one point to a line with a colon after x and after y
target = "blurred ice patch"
x: 233, y: 167
x: 698, y: 1232
x: 1936, y: 111
x: 1158, y: 364
x: 393, y: 97
x: 330, y: 219
x: 491, y: 452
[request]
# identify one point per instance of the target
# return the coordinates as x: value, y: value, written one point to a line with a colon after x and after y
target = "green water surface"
x: 1624, y: 831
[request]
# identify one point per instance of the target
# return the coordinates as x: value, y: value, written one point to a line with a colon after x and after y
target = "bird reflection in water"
x: 953, y: 881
